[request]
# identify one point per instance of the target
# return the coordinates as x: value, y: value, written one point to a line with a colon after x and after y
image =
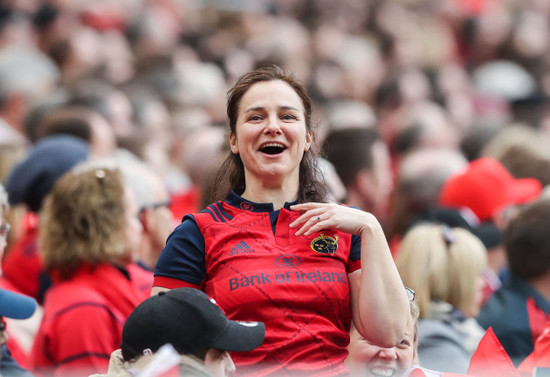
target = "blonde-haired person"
x: 444, y: 266
x: 87, y: 233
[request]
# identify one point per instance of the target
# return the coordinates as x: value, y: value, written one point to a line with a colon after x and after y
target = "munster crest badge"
x: 325, y: 244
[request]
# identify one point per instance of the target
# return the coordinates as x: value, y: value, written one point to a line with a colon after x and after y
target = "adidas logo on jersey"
x: 241, y: 248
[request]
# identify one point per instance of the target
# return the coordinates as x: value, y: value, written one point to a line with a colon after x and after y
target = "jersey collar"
x: 238, y: 201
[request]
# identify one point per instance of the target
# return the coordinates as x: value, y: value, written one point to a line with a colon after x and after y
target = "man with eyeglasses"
x: 154, y: 210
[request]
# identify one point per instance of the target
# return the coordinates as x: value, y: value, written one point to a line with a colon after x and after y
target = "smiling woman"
x: 274, y: 249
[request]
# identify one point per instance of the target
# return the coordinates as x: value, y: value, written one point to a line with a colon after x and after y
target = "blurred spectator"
x: 88, y: 231
x: 153, y: 203
x: 113, y: 104
x: 155, y: 28
x: 519, y: 310
x: 420, y: 177
x: 420, y: 125
x: 342, y: 114
x: 80, y: 122
x: 14, y: 307
x: 26, y: 75
x: 15, y: 24
x: 503, y: 79
x: 28, y: 184
x: 337, y: 191
x: 153, y: 123
x: 489, y: 194
x: 488, y: 190
x: 199, y: 157
x: 477, y: 137
x: 488, y: 233
x: 155, y: 217
x: 399, y: 88
x: 523, y: 151
x: 533, y: 111
x: 194, y: 325
x: 362, y: 161
x: 77, y: 54
x: 444, y: 266
x: 10, y: 155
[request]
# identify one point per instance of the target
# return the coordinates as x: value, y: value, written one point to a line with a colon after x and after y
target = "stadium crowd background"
x: 443, y: 82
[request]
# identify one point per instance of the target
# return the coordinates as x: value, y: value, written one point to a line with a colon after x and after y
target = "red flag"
x: 491, y: 359
x: 540, y: 357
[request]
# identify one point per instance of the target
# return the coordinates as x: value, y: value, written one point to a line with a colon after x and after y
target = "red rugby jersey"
x: 258, y: 270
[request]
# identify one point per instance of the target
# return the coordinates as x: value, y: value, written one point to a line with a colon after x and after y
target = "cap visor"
x: 524, y: 190
x: 241, y: 336
x: 15, y: 305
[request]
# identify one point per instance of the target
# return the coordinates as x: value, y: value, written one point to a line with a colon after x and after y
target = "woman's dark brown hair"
x: 312, y: 186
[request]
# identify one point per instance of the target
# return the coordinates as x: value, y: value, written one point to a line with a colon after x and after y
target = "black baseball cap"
x: 487, y: 232
x: 190, y: 321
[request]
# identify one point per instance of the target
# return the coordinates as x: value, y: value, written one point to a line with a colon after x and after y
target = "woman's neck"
x: 279, y: 194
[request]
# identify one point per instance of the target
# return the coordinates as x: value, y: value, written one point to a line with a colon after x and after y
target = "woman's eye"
x: 288, y: 117
x: 254, y: 118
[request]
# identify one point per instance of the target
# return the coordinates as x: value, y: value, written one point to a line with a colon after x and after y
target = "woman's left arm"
x: 379, y: 302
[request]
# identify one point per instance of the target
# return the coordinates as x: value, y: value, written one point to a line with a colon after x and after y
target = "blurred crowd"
x: 434, y: 88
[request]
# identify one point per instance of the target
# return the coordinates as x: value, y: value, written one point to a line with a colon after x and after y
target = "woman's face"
x: 270, y: 134
x: 367, y: 360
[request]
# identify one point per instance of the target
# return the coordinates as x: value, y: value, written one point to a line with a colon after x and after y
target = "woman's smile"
x: 273, y: 148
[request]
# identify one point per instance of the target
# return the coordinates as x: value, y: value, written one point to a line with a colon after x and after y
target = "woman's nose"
x: 273, y: 125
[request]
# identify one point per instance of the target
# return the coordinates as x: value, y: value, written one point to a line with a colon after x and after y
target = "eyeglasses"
x: 410, y: 293
x: 165, y: 203
x: 5, y: 230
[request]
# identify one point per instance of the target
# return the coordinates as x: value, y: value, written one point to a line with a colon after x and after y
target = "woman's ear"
x: 233, y: 143
x: 309, y: 138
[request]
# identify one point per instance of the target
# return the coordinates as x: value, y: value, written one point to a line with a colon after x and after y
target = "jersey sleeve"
x: 182, y: 261
x: 354, y: 262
